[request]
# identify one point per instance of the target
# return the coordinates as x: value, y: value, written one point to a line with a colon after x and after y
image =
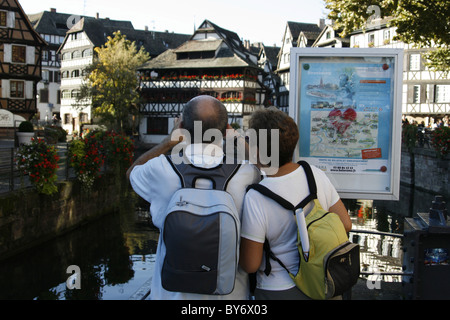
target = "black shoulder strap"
x: 220, y: 175
x: 283, y: 202
x: 311, y: 185
x: 270, y: 194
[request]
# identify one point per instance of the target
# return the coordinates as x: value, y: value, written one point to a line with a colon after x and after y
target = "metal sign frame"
x: 348, y: 106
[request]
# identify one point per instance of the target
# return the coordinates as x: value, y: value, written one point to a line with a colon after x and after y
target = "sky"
x: 254, y: 20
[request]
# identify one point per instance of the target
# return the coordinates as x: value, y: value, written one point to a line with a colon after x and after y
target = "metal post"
x: 11, y: 176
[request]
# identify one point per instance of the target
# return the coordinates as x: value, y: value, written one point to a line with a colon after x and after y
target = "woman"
x: 265, y: 219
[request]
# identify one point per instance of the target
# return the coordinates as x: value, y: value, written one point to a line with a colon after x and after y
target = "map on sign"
x: 345, y: 110
x: 342, y: 134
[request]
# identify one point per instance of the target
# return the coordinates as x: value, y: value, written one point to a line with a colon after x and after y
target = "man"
x: 153, y: 178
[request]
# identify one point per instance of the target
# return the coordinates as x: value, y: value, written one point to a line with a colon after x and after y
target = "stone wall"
x: 430, y: 173
x: 28, y: 218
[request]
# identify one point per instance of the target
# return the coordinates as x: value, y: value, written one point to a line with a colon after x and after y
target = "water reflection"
x: 380, y: 253
x: 115, y: 255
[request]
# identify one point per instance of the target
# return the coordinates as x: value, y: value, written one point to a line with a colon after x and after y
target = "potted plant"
x: 25, y: 132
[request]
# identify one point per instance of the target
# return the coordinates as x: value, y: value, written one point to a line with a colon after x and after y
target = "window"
x: 58, y: 97
x: 45, y: 75
x: 87, y: 53
x: 76, y: 54
x: 75, y: 94
x: 67, y: 118
x: 416, y: 94
x: 75, y: 73
x: 57, y: 76
x: 45, y: 55
x: 442, y: 94
x: 66, y: 94
x: 66, y: 56
x: 65, y: 74
x: 157, y: 125
x: 84, y: 117
x: 75, y: 36
x: 43, y: 96
x: 17, y: 89
x: 414, y: 62
x: 19, y: 54
x: 3, y: 17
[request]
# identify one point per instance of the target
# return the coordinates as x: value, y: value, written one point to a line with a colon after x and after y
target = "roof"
x: 272, y: 54
x: 50, y: 22
x: 229, y: 47
x: 310, y: 30
x: 345, y: 40
x: 199, y: 45
x: 154, y: 42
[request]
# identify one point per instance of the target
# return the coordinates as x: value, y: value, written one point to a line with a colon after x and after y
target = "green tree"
x: 111, y: 82
x: 424, y: 23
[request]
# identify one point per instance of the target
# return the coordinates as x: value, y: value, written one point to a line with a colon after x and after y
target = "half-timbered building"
x: 268, y: 60
x: 77, y: 52
x: 52, y: 26
x: 330, y: 38
x: 214, y: 62
x: 296, y: 34
x: 20, y: 60
x: 426, y: 93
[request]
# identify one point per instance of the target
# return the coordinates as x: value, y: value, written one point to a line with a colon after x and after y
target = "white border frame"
x: 395, y: 139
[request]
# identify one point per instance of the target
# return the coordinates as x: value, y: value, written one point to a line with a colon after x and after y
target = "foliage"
x: 409, y: 136
x: 100, y: 148
x: 55, y: 134
x: 424, y: 23
x: 117, y: 148
x: 26, y: 126
x: 440, y: 140
x: 86, y: 159
x: 39, y: 161
x: 111, y: 82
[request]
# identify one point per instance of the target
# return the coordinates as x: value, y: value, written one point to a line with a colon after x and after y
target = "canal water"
x: 116, y: 253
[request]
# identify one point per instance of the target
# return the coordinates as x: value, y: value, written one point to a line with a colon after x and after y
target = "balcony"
x: 201, y: 82
x: 176, y: 108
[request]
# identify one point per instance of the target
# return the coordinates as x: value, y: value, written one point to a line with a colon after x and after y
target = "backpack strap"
x: 311, y: 185
x: 288, y: 206
x: 220, y: 175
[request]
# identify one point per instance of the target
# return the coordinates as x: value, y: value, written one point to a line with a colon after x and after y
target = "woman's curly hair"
x: 272, y: 118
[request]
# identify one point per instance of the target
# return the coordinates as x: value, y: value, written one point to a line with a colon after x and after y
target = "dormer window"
x: 195, y: 55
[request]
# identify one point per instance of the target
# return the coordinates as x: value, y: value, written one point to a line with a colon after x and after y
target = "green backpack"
x: 332, y: 265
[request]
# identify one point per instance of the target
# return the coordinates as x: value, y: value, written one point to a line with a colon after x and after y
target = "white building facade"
x: 426, y: 93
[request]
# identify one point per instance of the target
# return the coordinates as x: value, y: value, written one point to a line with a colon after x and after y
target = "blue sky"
x: 254, y: 20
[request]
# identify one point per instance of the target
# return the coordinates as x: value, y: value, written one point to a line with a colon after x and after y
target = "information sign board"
x: 347, y: 104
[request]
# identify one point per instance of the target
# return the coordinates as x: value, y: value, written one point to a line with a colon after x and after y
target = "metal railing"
x: 10, y: 177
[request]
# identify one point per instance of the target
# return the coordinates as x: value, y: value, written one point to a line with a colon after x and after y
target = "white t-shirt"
x: 264, y: 218
x: 156, y: 182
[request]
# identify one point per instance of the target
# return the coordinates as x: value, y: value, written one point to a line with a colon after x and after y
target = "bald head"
x: 210, y: 111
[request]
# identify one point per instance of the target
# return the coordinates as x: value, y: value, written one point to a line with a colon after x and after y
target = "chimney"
x: 53, y: 10
x: 321, y: 23
x: 97, y: 16
x: 146, y: 28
